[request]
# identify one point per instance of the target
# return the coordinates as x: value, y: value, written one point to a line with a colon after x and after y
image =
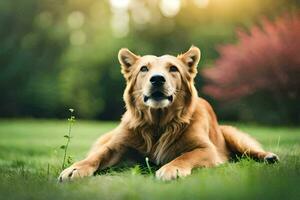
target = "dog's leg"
x: 183, y: 165
x: 106, y: 152
x: 246, y: 145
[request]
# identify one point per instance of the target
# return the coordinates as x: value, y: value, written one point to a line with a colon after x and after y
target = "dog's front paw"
x: 271, y: 158
x: 169, y: 172
x: 76, y: 170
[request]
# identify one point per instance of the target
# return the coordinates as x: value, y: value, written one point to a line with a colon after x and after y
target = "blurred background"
x: 56, y: 55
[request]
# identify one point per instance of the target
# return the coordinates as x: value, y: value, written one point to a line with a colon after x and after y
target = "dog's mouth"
x: 158, y: 96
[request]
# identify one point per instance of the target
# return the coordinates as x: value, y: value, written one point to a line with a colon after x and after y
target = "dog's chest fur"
x: 160, y: 144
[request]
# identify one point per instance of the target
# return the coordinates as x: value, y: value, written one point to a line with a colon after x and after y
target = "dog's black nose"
x: 157, y: 80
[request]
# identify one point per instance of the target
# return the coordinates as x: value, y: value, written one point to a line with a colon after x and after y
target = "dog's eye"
x: 173, y: 69
x: 144, y: 69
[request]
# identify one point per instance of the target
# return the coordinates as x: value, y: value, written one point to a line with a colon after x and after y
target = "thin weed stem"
x: 148, y: 166
x: 71, y: 121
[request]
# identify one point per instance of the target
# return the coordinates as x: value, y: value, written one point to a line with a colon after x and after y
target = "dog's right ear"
x: 127, y: 59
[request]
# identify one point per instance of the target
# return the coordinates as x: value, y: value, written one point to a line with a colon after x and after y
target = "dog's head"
x: 157, y: 82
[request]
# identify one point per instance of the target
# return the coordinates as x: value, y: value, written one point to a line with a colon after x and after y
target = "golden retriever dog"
x: 167, y: 121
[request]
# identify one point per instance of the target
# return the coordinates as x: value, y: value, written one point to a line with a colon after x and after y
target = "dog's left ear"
x: 191, y: 58
x: 127, y: 59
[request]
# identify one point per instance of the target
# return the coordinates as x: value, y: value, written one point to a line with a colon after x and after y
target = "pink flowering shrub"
x: 266, y: 61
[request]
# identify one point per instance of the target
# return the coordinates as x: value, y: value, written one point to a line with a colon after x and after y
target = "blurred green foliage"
x: 60, y: 54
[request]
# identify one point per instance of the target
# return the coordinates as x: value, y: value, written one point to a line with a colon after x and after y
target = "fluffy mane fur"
x: 160, y: 128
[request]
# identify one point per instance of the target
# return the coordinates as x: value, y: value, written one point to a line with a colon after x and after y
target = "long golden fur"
x: 167, y: 122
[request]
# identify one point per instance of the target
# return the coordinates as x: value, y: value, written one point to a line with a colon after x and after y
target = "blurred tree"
x: 32, y: 42
x: 263, y: 68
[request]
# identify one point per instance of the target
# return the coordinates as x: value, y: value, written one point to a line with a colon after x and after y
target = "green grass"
x: 30, y: 160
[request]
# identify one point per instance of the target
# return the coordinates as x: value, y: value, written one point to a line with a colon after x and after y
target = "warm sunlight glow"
x: 140, y: 13
x: 170, y: 8
x: 121, y: 4
x: 120, y: 18
x: 202, y: 3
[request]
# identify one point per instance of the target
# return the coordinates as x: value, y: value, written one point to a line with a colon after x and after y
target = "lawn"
x: 30, y: 160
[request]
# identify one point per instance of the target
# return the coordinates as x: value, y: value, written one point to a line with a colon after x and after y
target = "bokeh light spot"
x: 120, y: 4
x: 201, y: 3
x: 120, y: 24
x: 75, y: 19
x: 170, y: 8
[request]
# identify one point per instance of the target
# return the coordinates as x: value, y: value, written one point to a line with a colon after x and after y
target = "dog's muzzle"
x: 158, y: 96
